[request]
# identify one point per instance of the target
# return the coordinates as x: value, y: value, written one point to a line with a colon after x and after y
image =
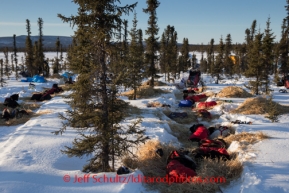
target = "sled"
x: 193, y: 79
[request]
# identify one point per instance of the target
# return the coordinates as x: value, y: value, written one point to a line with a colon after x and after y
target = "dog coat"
x: 200, y: 133
x: 204, y: 105
x: 180, y: 166
x: 212, y: 152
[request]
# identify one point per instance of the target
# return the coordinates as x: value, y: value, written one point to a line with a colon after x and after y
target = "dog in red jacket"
x: 199, y: 132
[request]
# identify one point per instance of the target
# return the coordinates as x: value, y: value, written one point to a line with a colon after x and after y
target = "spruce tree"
x: 32, y: 70
x: 287, y: 10
x: 12, y: 62
x: 283, y: 47
x: 15, y: 56
x: 6, y: 63
x: 61, y: 56
x: 185, y: 54
x: 276, y: 61
x: 228, y: 63
x: 119, y: 57
x: 175, y: 53
x: 152, y: 45
x: 56, y: 63
x: 211, y: 56
x: 96, y: 110
x: 183, y: 59
x: 2, y: 82
x: 36, y: 60
x: 241, y: 57
x: 135, y: 60
x: 22, y: 63
x: 194, y: 61
x: 256, y: 63
x: 163, y: 54
x: 140, y: 41
x: 203, y: 61
x: 169, y: 52
x: 40, y: 52
x: 253, y: 30
x: 219, y: 64
x: 250, y: 34
x: 268, y: 55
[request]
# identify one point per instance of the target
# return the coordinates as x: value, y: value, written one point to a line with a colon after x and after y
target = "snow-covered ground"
x: 31, y: 160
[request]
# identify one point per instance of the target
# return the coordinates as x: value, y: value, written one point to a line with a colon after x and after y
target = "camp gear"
x: 174, y: 115
x: 122, y: 170
x: 186, y: 103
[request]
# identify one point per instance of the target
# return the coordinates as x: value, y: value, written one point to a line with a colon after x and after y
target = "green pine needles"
x: 96, y: 110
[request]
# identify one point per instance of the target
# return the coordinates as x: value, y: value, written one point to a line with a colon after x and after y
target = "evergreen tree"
x: 228, y: 63
x: 22, y: 64
x: 219, y: 64
x: 164, y: 52
x: 250, y: 34
x: 40, y: 53
x: 241, y: 53
x: 175, y: 53
x: 211, y: 56
x: 276, y: 52
x: 256, y: 63
x: 163, y: 55
x: 283, y: 47
x: 32, y: 70
x: 6, y: 63
x: 95, y: 109
x: 56, y: 63
x: 119, y: 57
x: 125, y: 35
x: 135, y: 59
x: 140, y: 41
x: 287, y: 10
x: 124, y: 48
x: 169, y: 52
x: 185, y: 54
x: 268, y: 55
x: 70, y: 54
x: 15, y: 57
x: 247, y: 38
x: 194, y: 61
x: 152, y: 45
x: 1, y: 73
x: 253, y: 30
x: 203, y: 61
x: 36, y: 60
x: 61, y: 56
x: 12, y: 62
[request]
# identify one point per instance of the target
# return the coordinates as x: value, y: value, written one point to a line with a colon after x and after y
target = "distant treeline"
x: 22, y: 49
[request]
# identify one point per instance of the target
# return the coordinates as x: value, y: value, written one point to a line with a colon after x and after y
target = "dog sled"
x: 194, y: 79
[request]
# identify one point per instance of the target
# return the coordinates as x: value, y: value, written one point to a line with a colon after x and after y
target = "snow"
x: 31, y: 160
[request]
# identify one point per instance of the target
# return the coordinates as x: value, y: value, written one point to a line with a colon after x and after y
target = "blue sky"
x: 197, y: 20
